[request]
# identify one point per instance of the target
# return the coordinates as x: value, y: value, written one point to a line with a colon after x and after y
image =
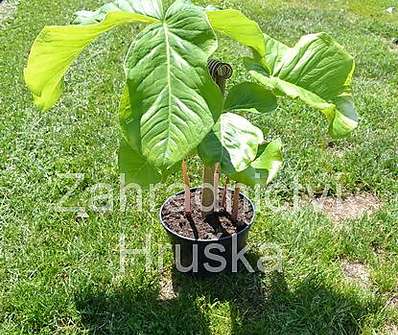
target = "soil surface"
x: 7, y: 9
x: 214, y: 226
x: 352, y: 207
x: 357, y: 272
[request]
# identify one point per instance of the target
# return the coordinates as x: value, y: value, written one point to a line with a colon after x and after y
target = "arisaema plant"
x: 173, y: 106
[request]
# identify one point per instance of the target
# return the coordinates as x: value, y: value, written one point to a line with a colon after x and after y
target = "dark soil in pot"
x: 214, y: 226
x: 204, y: 247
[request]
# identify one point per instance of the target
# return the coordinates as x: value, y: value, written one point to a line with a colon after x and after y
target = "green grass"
x: 61, y: 276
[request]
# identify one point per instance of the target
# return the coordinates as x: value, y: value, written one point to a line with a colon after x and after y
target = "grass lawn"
x: 59, y: 275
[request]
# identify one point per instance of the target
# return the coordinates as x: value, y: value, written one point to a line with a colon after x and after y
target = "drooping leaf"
x: 237, y: 26
x: 135, y: 167
x: 212, y: 8
x: 270, y: 159
x: 127, y: 124
x: 55, y: 49
x: 274, y: 53
x: 132, y: 164
x: 174, y: 101
x: 345, y: 119
x: 318, y: 71
x: 264, y: 168
x: 250, y: 97
x: 151, y: 8
x: 233, y: 142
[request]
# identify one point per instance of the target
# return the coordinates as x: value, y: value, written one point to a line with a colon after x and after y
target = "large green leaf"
x: 250, y: 97
x: 152, y: 8
x: 237, y: 26
x: 274, y: 53
x: 126, y: 125
x: 132, y: 164
x: 317, y: 70
x: 233, y: 142
x: 174, y: 101
x: 264, y: 168
x: 135, y: 167
x: 55, y: 49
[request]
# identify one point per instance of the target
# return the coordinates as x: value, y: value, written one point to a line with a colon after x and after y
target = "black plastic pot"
x: 208, y: 257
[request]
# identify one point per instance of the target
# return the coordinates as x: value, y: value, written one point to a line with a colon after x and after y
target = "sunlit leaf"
x: 135, y: 167
x: 233, y: 142
x: 57, y: 47
x: 317, y: 70
x: 174, y: 101
x: 250, y: 97
x: 237, y: 26
x: 264, y: 168
x: 152, y: 8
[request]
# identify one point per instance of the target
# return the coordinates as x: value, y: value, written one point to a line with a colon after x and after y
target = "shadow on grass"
x: 258, y: 304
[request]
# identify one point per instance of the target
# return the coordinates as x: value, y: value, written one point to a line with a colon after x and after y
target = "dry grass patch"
x: 7, y: 9
x: 393, y: 302
x: 352, y: 207
x: 390, y: 329
x: 167, y: 290
x: 392, y: 44
x: 357, y: 273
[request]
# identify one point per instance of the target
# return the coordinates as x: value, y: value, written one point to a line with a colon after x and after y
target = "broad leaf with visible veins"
x: 250, y: 97
x: 173, y: 99
x: 237, y: 26
x: 316, y: 70
x: 57, y: 47
x: 264, y: 168
x: 133, y: 164
x: 152, y: 8
x: 233, y: 142
x: 135, y: 167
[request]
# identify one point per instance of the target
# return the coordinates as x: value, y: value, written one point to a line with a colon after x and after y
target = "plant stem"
x: 235, y: 202
x: 220, y: 72
x: 208, y: 190
x: 187, y: 189
x: 224, y: 194
x: 217, y: 172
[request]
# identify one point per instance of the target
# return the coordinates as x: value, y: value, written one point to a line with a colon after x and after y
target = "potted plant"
x: 175, y: 105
